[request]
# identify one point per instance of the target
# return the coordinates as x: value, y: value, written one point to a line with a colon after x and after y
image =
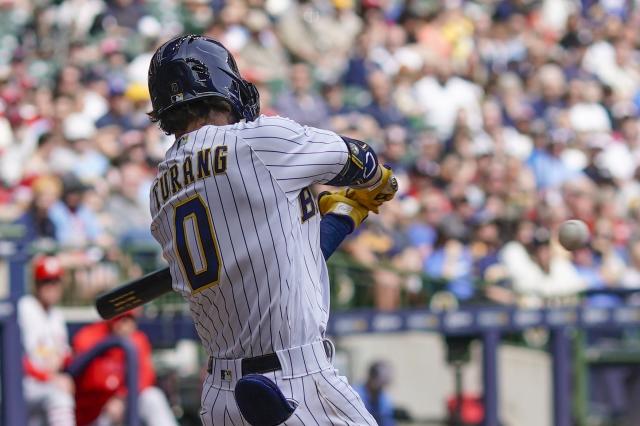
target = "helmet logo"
x: 176, y: 95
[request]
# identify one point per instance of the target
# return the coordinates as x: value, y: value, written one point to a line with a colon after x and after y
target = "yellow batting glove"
x: 374, y: 196
x: 337, y: 203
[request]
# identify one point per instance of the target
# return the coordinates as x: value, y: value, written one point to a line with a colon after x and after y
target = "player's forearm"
x: 333, y: 230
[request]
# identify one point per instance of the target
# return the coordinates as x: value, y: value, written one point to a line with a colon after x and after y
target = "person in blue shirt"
x: 75, y: 224
x: 374, y: 396
x: 381, y: 107
x: 451, y: 259
x: 549, y: 169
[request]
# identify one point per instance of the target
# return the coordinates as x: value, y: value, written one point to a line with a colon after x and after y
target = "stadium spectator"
x: 539, y: 272
x: 360, y: 65
x: 631, y: 275
x: 120, y: 108
x: 46, y: 190
x: 381, y: 107
x: 48, y: 390
x: 373, y: 250
x: 75, y: 223
x: 127, y: 208
x: 443, y: 96
x: 84, y: 160
x: 301, y: 103
x: 451, y: 260
x: 262, y: 57
x: 374, y: 395
x: 101, y: 387
x: 124, y: 13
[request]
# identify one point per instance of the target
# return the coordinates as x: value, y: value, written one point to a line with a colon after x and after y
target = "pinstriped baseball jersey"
x: 241, y: 232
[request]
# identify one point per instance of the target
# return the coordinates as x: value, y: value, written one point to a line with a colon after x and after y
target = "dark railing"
x: 82, y: 361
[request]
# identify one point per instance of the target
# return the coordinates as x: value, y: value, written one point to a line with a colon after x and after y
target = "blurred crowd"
x: 501, y: 119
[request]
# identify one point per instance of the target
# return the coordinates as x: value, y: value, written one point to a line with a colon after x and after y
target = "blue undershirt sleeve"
x: 333, y: 230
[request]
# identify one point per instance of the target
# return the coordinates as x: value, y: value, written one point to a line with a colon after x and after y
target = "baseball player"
x: 246, y: 241
x: 48, y: 391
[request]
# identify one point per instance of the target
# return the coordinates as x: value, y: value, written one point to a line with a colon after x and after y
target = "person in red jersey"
x: 101, y: 387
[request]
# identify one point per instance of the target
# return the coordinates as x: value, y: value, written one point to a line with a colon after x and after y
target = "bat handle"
x: 134, y: 294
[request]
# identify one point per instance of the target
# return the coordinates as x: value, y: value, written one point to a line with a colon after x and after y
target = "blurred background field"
x: 501, y: 118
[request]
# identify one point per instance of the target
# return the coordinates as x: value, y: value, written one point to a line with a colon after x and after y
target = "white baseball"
x: 573, y: 234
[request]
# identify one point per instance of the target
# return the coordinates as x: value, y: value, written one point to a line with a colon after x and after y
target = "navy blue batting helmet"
x: 193, y: 67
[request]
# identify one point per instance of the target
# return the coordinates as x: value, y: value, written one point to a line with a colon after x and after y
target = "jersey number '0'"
x: 195, y: 242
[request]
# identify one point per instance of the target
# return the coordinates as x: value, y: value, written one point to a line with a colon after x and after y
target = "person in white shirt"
x: 444, y: 96
x: 48, y: 391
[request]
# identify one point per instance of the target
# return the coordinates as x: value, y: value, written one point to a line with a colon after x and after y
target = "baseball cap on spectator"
x: 137, y: 92
x: 28, y: 113
x: 6, y: 134
x: 132, y: 313
x: 11, y: 94
x: 371, y: 4
x: 117, y: 87
x: 538, y: 127
x: 256, y: 20
x: 343, y: 4
x: 560, y: 136
x: 77, y: 127
x: 19, y: 55
x: 483, y: 217
x: 452, y: 228
x: 149, y: 26
x: 110, y: 46
x: 72, y: 184
x: 47, y: 269
x: 5, y: 72
x: 541, y: 237
x: 482, y: 148
x: 131, y: 138
x: 22, y: 195
x: 598, y: 141
x: 427, y: 169
x: 624, y: 110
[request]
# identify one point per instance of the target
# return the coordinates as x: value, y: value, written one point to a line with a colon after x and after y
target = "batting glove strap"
x: 374, y: 196
x: 337, y: 203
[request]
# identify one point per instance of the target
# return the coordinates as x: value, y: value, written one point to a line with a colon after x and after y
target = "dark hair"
x: 177, y: 119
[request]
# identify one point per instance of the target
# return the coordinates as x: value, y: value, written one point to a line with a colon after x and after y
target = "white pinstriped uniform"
x: 272, y: 290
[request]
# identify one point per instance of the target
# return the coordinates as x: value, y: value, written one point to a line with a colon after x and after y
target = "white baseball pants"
x: 307, y: 377
x: 47, y: 404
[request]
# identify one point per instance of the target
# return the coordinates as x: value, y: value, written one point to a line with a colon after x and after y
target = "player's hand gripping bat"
x: 134, y: 293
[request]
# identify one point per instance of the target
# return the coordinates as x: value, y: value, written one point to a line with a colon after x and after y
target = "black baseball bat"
x: 134, y: 293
